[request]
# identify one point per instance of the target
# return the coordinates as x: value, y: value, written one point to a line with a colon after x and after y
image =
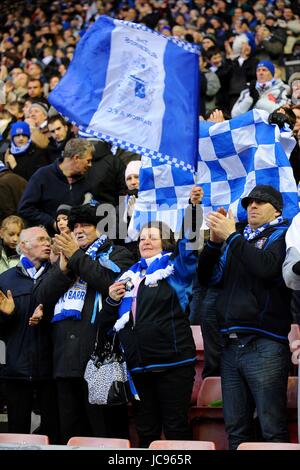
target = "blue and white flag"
x: 135, y: 88
x: 236, y: 155
x: 163, y: 195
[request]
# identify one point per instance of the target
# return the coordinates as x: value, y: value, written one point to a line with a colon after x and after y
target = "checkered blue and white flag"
x: 236, y: 155
x: 135, y: 88
x: 163, y: 195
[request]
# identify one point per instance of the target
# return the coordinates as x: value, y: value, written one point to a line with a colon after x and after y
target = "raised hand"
x: 7, y: 304
x: 67, y: 244
x: 221, y: 226
x: 130, y: 206
x: 196, y: 195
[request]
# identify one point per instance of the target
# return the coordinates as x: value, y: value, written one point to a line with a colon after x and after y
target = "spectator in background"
x: 294, y: 83
x: 269, y: 47
x: 35, y: 90
x: 296, y: 111
x: 209, y: 87
x: 126, y: 210
x: 106, y: 181
x: 23, y: 157
x: 60, y: 133
x: 10, y: 230
x: 11, y: 190
x: 265, y: 93
x: 63, y: 181
x: 61, y: 220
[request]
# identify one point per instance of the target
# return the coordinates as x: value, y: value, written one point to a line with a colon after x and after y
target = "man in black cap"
x: 254, y: 315
x: 92, y: 265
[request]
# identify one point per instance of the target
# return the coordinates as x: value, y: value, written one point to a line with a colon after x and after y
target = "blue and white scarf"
x: 153, y: 270
x: 250, y: 233
x: 30, y: 269
x: 70, y: 305
x: 3, y: 167
x: 17, y: 150
x: 265, y: 86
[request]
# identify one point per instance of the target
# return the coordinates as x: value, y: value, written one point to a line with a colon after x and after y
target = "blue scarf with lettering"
x: 70, y: 305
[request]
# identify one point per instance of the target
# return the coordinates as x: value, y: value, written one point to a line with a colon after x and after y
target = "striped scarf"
x: 250, y: 233
x: 30, y: 269
x: 153, y: 270
x: 70, y: 305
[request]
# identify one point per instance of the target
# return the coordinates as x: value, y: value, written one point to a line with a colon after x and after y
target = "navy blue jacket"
x: 253, y: 296
x: 28, y: 348
x: 46, y: 190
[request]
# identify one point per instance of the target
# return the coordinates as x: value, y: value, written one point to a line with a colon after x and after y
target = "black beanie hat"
x: 264, y: 193
x: 85, y: 214
x: 63, y: 209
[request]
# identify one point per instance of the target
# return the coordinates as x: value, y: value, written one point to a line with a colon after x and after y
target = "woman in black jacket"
x: 155, y: 332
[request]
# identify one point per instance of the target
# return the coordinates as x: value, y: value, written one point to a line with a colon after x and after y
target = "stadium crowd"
x: 51, y: 182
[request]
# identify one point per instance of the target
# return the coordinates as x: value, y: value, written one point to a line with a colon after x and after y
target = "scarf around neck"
x: 70, y: 305
x: 30, y: 269
x: 250, y: 234
x: 17, y: 150
x: 152, y: 270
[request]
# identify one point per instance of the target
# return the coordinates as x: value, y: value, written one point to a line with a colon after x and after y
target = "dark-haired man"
x: 254, y: 315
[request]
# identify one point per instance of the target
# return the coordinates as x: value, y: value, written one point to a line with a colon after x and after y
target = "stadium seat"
x: 268, y: 446
x: 292, y: 409
x: 103, y: 442
x: 198, y: 339
x: 182, y: 445
x: 12, y: 438
x: 207, y: 416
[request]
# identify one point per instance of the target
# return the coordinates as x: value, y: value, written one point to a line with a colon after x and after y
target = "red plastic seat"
x: 292, y: 408
x: 207, y: 416
x: 268, y: 446
x: 182, y: 445
x: 12, y: 438
x: 103, y: 442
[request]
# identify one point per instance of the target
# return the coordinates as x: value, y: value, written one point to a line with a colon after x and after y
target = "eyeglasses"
x: 40, y: 240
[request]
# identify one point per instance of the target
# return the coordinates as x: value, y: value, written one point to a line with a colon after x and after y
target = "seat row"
x: 106, y: 443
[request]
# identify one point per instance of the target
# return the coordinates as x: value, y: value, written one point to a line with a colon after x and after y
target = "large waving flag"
x: 163, y: 195
x: 136, y: 89
x: 236, y: 155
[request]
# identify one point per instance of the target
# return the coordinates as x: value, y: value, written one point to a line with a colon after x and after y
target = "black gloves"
x: 278, y: 118
x: 253, y: 92
x: 296, y: 268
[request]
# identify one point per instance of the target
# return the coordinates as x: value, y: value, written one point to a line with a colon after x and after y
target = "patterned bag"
x: 106, y: 374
